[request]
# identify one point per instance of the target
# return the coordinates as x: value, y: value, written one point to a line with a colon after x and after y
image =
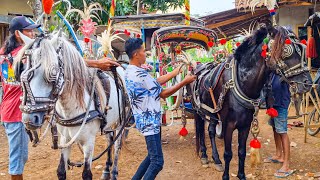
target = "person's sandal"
x: 270, y: 160
x: 283, y: 174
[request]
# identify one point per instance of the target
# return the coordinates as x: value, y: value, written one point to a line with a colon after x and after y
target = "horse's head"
x: 41, y: 78
x: 290, y: 57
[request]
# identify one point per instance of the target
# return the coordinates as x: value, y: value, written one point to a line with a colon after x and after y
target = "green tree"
x: 123, y: 7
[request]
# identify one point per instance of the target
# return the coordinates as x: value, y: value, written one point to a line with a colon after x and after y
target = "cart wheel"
x: 314, y: 119
x: 219, y: 130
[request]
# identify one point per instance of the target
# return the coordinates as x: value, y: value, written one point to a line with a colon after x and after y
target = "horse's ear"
x: 272, y: 31
x: 56, y: 36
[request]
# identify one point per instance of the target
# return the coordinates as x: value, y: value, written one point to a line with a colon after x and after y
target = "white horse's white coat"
x: 78, y: 78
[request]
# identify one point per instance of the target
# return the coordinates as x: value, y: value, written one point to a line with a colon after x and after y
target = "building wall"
x: 15, y: 7
x: 11, y: 7
x: 294, y: 17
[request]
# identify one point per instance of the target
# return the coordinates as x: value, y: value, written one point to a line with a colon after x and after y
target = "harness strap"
x: 76, y: 120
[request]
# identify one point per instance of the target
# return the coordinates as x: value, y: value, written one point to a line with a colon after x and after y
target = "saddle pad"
x: 204, y: 67
x: 213, y: 78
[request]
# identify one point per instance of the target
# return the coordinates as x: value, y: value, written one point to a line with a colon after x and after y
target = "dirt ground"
x: 181, y: 163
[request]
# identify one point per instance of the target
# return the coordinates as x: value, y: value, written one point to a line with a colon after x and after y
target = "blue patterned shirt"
x: 144, y: 93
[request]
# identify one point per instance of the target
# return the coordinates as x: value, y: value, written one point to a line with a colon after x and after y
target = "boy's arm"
x: 165, y: 78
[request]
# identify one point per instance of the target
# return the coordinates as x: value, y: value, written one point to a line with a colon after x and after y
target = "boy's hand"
x: 190, y: 78
x: 106, y: 64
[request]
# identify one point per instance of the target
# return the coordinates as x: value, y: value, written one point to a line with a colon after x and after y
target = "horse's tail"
x: 199, y: 126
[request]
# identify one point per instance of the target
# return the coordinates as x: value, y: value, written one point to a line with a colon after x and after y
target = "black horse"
x: 236, y: 85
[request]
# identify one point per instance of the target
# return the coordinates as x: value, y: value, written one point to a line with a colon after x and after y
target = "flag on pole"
x: 112, y: 9
x: 187, y: 13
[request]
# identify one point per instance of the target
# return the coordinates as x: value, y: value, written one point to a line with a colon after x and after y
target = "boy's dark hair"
x: 10, y: 44
x: 131, y: 45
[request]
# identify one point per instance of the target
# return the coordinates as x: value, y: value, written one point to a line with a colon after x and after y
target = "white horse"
x: 57, y: 79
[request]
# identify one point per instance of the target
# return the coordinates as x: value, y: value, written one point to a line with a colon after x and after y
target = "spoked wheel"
x: 314, y: 119
x: 219, y: 130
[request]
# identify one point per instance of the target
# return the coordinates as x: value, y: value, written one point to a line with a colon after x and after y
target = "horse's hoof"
x: 225, y: 177
x: 105, y: 176
x: 242, y: 177
x: 219, y: 167
x: 204, y: 161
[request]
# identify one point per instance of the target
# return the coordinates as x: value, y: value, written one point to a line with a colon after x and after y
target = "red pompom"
x: 210, y: 43
x: 138, y: 36
x: 125, y: 31
x: 254, y: 143
x: 183, y: 132
x: 47, y: 6
x: 264, y: 47
x: 303, y: 41
x: 272, y: 112
x: 264, y: 54
x: 288, y: 41
x: 86, y: 40
x: 117, y: 32
x: 128, y: 33
x: 223, y: 41
x: 238, y: 44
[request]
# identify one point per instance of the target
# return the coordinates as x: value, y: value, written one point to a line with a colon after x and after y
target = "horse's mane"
x: 77, y: 76
x: 246, y: 52
x: 251, y: 48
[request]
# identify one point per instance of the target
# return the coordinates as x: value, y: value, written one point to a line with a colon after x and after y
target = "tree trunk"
x: 139, y: 7
x: 36, y: 6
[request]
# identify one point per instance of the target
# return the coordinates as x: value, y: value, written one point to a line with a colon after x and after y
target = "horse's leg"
x: 106, y: 173
x: 200, y: 139
x: 215, y: 154
x: 242, y: 140
x: 227, y: 149
x: 88, y: 148
x: 63, y: 165
x: 117, y: 148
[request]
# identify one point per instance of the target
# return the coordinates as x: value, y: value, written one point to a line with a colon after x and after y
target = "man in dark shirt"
x: 281, y: 94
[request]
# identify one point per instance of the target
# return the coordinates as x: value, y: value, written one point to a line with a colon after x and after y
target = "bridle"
x: 55, y: 76
x: 282, y: 69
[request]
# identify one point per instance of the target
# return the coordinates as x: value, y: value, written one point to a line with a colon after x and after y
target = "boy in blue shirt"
x: 145, y: 93
x: 281, y: 95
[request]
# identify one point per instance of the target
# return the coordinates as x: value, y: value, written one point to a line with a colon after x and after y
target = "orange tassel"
x: 311, y: 48
x: 47, y: 6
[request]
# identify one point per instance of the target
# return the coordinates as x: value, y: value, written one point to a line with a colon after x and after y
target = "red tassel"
x: 183, y: 132
x: 311, y: 48
x: 255, y: 154
x: 223, y: 41
x: 272, y: 112
x: 138, y: 35
x: 303, y: 41
x: 288, y: 41
x: 238, y: 44
x: 264, y: 53
x: 86, y: 40
x: 255, y: 143
x: 210, y: 43
x: 47, y: 6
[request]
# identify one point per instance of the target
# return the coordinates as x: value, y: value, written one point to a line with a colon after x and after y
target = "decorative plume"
x: 248, y: 32
x: 106, y: 39
x: 252, y: 4
x: 87, y: 27
x: 88, y: 11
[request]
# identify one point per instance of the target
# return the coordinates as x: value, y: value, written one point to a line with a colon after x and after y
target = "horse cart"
x: 172, y: 46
